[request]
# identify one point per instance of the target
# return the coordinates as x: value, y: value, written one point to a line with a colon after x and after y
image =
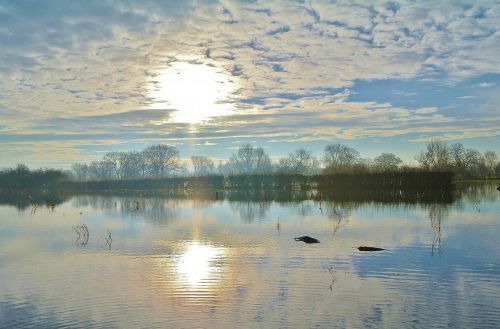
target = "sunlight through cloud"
x: 196, y: 92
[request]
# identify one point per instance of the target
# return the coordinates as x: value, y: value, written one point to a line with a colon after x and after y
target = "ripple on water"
x: 208, y: 268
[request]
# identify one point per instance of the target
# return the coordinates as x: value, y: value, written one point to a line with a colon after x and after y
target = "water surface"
x: 198, y: 262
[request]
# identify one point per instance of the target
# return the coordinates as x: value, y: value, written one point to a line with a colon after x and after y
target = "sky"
x: 82, y: 78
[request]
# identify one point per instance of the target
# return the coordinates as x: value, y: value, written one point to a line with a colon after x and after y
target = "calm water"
x: 194, y: 263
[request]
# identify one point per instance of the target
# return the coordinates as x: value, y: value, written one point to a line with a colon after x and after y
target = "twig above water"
x: 334, y: 277
x: 109, y: 239
x: 83, y: 235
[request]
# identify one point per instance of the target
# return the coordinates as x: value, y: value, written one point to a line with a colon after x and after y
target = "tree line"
x: 21, y: 177
x: 155, y: 161
x: 162, y: 160
x: 464, y: 162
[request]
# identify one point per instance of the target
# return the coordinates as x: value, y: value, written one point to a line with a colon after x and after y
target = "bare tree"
x: 222, y: 168
x: 202, y: 166
x: 339, y: 157
x: 132, y: 165
x: 22, y: 169
x: 284, y: 165
x: 143, y: 163
x: 465, y: 161
x: 115, y: 159
x: 162, y: 159
x: 80, y: 170
x: 263, y: 163
x: 490, y: 160
x: 387, y: 162
x: 299, y: 162
x: 249, y: 160
x: 471, y: 158
x: 101, y: 170
x: 243, y: 161
x: 457, y: 154
x: 497, y: 169
x: 435, y: 157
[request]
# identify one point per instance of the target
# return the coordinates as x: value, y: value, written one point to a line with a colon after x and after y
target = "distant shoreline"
x: 415, y: 186
x: 414, y: 180
x: 483, y: 180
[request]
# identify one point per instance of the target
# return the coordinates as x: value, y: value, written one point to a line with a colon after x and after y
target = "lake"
x: 194, y: 262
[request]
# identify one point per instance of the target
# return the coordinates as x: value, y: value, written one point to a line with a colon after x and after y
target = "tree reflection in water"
x: 250, y: 210
x: 339, y: 213
x: 437, y: 213
x: 250, y: 205
x: 156, y: 209
x: 334, y: 278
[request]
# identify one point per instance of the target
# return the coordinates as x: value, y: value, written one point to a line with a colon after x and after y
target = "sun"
x: 196, y: 92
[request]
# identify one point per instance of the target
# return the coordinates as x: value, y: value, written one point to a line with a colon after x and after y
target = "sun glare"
x: 195, y: 265
x: 196, y: 92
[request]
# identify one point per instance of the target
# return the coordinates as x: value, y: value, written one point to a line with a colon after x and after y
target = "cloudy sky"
x: 81, y: 78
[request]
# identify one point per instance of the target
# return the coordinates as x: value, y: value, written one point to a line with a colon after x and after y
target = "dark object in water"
x: 498, y: 188
x: 307, y: 239
x: 370, y: 249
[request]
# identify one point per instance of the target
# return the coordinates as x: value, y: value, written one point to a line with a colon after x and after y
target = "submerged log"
x: 370, y: 249
x: 307, y: 239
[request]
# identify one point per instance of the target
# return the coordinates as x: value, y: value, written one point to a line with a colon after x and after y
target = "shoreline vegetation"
x: 322, y: 197
x: 341, y: 171
x: 383, y: 187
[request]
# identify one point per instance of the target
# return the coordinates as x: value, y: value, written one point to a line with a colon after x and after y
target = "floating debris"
x: 370, y: 249
x: 307, y: 239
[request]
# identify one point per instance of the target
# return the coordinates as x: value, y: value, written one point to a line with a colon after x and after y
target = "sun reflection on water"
x: 197, y: 265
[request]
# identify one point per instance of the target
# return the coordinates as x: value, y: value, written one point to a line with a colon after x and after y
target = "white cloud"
x: 426, y: 110
x: 484, y: 85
